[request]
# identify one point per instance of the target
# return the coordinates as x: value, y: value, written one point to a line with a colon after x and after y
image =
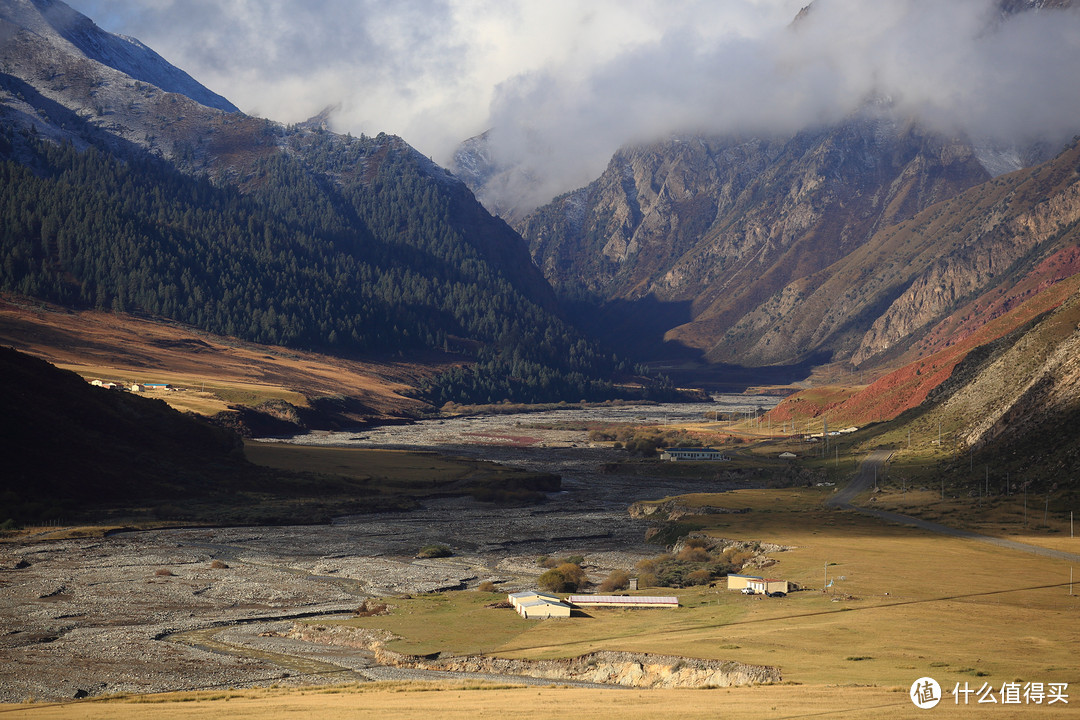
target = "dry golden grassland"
x: 482, y: 702
x: 195, y: 393
x: 904, y: 604
x: 1002, y: 516
x: 65, y: 532
x: 215, y: 371
x: 955, y: 608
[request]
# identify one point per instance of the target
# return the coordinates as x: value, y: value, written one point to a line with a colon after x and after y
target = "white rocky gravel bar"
x: 87, y: 616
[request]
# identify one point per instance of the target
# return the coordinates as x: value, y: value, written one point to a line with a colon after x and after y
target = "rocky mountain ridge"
x: 722, y: 224
x: 59, y: 30
x: 380, y: 249
x: 897, y: 289
x: 710, y: 241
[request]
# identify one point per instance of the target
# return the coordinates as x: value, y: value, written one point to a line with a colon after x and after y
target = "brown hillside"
x: 908, y: 386
x: 879, y: 301
x: 124, y: 347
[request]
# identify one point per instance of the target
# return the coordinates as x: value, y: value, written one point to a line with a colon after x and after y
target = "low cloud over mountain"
x: 563, y: 86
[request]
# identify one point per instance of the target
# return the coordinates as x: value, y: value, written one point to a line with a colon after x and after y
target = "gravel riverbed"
x: 97, y: 616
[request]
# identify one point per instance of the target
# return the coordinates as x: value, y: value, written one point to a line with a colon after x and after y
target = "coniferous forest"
x: 338, y: 246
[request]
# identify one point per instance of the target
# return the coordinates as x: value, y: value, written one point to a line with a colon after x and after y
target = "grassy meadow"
x: 903, y: 603
x: 214, y: 371
x: 479, y: 701
x: 195, y: 393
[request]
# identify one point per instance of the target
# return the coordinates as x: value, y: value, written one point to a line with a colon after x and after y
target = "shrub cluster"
x: 694, y: 563
x: 617, y: 580
x: 563, y: 576
x: 368, y: 609
x: 434, y: 551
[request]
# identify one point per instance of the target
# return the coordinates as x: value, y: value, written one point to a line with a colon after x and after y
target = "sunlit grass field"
x: 478, y: 701
x: 903, y: 604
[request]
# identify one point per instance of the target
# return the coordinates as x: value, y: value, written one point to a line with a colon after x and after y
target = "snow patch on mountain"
x: 58, y: 24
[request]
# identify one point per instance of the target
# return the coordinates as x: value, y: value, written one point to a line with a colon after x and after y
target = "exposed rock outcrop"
x: 1010, y: 230
x: 724, y: 223
x: 674, y: 510
x: 643, y: 670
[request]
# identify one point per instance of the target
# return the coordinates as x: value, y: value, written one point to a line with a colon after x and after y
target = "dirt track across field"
x: 871, y: 468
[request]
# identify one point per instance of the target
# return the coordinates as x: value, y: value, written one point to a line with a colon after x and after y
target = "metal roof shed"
x: 540, y: 608
x: 653, y: 601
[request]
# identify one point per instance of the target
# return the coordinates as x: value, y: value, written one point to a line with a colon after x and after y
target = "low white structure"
x: 677, y: 454
x: 758, y: 585
x: 787, y: 456
x: 764, y: 586
x: 542, y: 608
x: 518, y: 598
x: 738, y: 582
x: 643, y: 601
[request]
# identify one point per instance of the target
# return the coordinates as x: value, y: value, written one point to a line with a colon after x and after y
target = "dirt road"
x: 871, y: 468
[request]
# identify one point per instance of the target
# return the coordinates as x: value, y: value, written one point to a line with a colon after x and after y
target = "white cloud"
x: 565, y: 83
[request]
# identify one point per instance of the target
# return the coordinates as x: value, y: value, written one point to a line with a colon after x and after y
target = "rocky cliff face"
x: 810, y: 247
x: 62, y: 33
x: 720, y: 240
x: 641, y: 670
x: 1030, y: 387
x: 1011, y: 231
x: 985, y: 250
x: 724, y: 224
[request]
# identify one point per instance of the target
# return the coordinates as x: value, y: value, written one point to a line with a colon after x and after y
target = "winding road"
x: 871, y: 467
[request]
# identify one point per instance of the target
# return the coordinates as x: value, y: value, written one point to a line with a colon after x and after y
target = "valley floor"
x: 211, y: 609
x: 90, y: 614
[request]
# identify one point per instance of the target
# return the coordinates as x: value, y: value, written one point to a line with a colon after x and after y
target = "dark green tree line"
x: 338, y: 246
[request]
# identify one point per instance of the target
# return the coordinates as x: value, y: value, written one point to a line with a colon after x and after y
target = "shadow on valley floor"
x: 734, y: 378
x: 636, y: 328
